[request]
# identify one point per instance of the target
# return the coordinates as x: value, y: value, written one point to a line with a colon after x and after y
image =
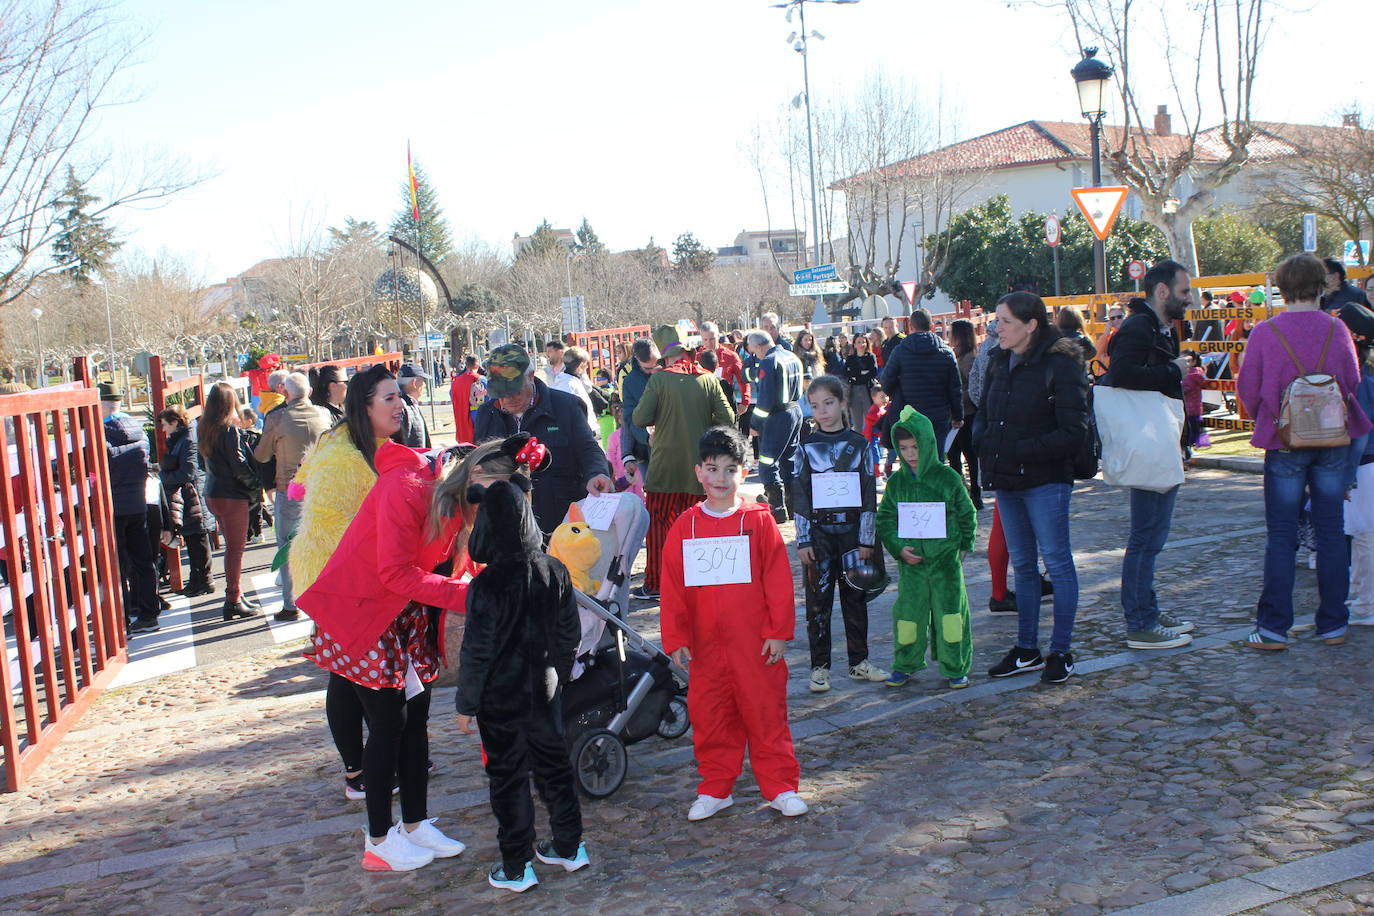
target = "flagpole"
x: 428, y: 365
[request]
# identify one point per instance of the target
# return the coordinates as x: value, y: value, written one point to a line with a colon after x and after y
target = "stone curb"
x: 1266, y: 886
x: 1241, y: 463
x: 801, y: 730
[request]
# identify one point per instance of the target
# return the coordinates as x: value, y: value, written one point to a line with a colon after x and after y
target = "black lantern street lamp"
x: 1092, y: 77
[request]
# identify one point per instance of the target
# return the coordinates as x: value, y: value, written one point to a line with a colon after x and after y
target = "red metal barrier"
x: 62, y: 608
x: 603, y: 345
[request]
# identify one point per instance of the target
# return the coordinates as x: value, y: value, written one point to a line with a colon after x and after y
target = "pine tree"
x: 587, y: 241
x: 355, y: 231
x: 86, y: 245
x: 435, y: 241
x: 542, y: 241
x: 690, y: 256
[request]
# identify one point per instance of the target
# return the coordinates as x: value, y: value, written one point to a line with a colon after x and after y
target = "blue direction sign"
x: 815, y: 274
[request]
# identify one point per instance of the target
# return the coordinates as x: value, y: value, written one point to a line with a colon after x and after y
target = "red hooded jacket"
x: 385, y: 558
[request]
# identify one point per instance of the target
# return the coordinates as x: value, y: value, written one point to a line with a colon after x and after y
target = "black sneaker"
x: 1058, y: 668
x: 1017, y: 661
x: 643, y: 594
x: 143, y: 625
x: 1006, y: 605
x: 1046, y: 587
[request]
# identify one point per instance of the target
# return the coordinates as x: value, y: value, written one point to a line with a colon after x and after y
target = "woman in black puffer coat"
x: 182, y: 482
x: 1032, y: 421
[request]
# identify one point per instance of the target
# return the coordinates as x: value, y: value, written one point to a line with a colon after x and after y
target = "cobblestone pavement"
x: 1154, y: 774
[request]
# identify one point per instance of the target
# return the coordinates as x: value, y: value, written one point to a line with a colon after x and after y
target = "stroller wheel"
x: 599, y: 762
x: 675, y: 721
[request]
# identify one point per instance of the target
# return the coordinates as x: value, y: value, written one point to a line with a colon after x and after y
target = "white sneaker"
x: 394, y: 853
x: 867, y: 671
x: 1363, y: 620
x: 820, y: 682
x: 790, y: 804
x: 708, y: 805
x: 433, y: 839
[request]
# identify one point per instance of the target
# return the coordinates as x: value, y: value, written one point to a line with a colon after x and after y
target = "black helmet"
x: 868, y: 576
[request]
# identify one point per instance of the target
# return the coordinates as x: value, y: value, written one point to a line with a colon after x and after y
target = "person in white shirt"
x: 574, y: 381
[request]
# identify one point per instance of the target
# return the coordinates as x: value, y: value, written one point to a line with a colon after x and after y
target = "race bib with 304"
x: 716, y: 561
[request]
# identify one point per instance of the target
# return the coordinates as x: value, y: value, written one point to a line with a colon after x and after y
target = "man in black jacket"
x: 521, y: 402
x: 1144, y: 357
x: 126, y: 448
x: 890, y: 339
x: 923, y: 372
x: 414, y: 431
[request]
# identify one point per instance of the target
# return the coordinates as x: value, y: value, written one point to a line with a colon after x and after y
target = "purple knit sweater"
x: 1267, y: 369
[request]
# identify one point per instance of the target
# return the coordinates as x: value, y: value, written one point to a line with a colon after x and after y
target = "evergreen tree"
x: 354, y: 231
x: 690, y: 257
x: 587, y: 241
x: 653, y: 259
x: 1228, y: 243
x: 435, y: 241
x: 543, y: 241
x: 86, y: 244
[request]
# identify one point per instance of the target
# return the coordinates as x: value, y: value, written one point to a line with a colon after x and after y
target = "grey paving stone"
x: 1221, y: 899
x: 1319, y: 870
x: 169, y: 855
x: 43, y: 880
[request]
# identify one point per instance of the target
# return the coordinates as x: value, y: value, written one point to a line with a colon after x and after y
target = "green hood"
x: 915, y: 422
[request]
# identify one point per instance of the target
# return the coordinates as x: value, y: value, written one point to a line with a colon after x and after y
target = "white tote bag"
x: 1140, y: 432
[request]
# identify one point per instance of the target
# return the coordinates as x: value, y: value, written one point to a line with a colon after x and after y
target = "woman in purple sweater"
x: 1289, y: 474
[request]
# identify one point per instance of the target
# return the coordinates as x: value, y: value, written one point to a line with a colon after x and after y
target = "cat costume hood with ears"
x: 504, y: 528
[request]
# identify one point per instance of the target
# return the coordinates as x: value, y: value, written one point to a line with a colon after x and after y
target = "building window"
x: 763, y: 246
x: 783, y: 245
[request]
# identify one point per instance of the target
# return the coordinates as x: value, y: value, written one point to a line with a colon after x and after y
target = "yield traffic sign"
x: 1100, y: 206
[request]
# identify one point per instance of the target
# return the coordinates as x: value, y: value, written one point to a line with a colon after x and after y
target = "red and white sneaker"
x: 394, y: 853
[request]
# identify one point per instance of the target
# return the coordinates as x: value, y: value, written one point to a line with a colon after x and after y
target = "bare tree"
x: 1209, y: 51
x: 882, y: 183
x: 1332, y: 175
x: 59, y: 64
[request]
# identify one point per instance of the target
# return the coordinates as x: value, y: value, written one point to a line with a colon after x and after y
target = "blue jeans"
x: 1151, y: 515
x: 777, y: 444
x: 1036, y: 522
x: 287, y: 518
x: 1323, y: 473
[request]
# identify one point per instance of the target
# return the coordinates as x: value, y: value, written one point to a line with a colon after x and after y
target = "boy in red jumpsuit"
x: 727, y: 608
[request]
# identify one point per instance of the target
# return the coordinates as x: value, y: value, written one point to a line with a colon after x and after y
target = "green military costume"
x: 931, y: 601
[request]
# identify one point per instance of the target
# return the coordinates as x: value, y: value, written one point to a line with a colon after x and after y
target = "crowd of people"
x: 863, y: 444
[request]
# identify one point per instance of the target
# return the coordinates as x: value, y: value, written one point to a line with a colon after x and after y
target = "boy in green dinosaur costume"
x: 931, y: 601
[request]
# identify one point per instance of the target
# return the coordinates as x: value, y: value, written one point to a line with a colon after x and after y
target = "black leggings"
x: 344, y: 713
x: 963, y: 447
x: 397, y: 747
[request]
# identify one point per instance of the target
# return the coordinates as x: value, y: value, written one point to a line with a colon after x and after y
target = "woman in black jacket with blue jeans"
x: 1033, y: 420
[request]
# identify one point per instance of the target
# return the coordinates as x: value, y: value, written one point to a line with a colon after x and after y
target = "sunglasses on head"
x: 1115, y: 317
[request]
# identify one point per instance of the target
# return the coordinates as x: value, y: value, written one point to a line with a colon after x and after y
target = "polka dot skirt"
x: 384, y: 665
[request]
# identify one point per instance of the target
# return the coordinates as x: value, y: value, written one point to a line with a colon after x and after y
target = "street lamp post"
x: 799, y: 41
x: 38, y: 333
x: 1092, y: 77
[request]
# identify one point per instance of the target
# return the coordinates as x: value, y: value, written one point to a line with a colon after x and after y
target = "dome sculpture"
x: 408, y: 287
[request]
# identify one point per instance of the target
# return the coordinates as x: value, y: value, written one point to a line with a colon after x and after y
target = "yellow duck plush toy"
x: 575, y: 544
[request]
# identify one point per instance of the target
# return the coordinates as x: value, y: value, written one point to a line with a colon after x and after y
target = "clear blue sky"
x: 628, y: 112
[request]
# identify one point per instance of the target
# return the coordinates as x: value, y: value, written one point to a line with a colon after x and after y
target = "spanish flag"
x: 414, y: 187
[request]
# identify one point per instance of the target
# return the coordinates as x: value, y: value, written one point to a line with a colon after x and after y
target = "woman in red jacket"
x: 371, y: 604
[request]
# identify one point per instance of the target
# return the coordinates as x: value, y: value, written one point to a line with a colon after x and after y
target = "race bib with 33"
x: 835, y: 490
x: 716, y: 561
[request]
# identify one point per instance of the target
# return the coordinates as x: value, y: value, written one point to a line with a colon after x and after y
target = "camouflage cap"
x: 506, y: 368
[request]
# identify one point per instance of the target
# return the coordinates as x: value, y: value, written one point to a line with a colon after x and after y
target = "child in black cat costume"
x: 519, y: 643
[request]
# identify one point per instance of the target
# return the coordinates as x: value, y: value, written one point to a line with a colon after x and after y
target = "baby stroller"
x: 623, y: 688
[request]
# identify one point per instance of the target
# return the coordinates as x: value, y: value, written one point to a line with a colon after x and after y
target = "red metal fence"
x: 61, y: 601
x: 604, y: 346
